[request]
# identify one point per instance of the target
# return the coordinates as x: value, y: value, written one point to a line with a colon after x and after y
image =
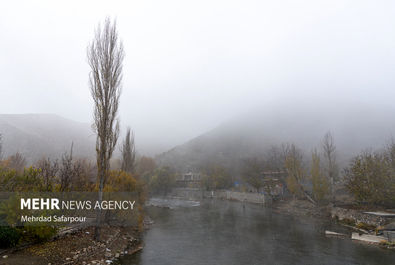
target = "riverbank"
x: 366, y: 225
x: 198, y: 194
x: 291, y: 206
x: 366, y: 221
x: 301, y: 208
x: 78, y: 247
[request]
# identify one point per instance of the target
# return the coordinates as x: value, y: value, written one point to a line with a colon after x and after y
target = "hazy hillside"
x: 38, y: 135
x: 252, y: 134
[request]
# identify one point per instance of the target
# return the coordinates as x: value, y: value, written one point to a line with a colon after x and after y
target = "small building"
x: 188, y: 180
x: 275, y: 182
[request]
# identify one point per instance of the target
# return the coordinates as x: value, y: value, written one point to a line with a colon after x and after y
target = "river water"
x: 224, y: 232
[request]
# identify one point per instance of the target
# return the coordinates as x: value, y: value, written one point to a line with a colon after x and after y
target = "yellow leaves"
x: 120, y: 181
x: 293, y: 185
x: 319, y: 181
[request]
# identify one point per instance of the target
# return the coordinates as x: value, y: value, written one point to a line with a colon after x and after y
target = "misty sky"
x: 191, y: 65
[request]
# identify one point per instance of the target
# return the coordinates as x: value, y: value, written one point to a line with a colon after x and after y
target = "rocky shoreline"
x: 78, y: 247
x: 364, y: 224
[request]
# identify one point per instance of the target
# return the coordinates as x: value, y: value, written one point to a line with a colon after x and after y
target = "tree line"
x: 369, y: 177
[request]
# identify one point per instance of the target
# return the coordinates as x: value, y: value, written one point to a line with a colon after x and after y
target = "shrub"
x: 9, y: 236
x: 162, y: 181
x: 347, y: 221
x: 38, y: 233
x: 370, y: 178
x: 10, y: 214
x: 365, y: 226
x: 120, y: 181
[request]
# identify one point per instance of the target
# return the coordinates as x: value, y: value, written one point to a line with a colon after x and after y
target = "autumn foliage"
x: 370, y: 178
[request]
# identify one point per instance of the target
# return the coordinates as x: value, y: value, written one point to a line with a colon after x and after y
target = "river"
x: 225, y: 232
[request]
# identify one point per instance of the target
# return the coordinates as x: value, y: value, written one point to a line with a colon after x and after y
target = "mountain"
x: 354, y: 129
x: 45, y: 135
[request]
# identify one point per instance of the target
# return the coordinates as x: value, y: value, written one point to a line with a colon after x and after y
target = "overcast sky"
x: 191, y: 65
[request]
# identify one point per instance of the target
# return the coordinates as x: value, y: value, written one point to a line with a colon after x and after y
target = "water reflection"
x: 223, y: 232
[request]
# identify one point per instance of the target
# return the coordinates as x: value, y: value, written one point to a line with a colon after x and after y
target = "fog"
x: 192, y: 65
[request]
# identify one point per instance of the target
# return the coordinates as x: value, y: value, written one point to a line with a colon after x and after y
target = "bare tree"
x: 84, y: 175
x: 49, y: 170
x: 66, y: 170
x: 17, y: 162
x: 295, y: 170
x: 274, y: 158
x: 331, y: 170
x: 105, y: 57
x: 128, y: 152
x: 319, y: 181
x: 252, y: 173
